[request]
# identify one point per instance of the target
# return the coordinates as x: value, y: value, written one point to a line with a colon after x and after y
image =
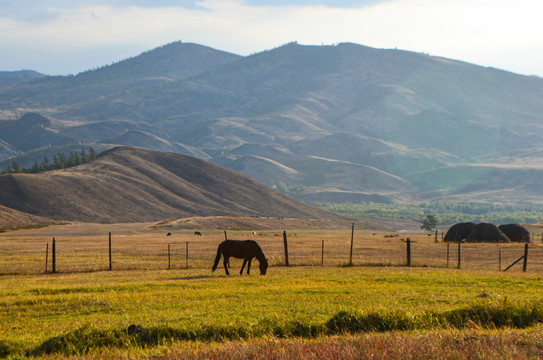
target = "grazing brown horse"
x: 241, y: 249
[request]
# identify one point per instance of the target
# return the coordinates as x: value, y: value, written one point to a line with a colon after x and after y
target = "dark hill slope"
x: 128, y: 184
x: 33, y: 131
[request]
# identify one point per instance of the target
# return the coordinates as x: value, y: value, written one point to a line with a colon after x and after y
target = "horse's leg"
x: 226, y: 265
x: 249, y: 265
x: 242, y: 266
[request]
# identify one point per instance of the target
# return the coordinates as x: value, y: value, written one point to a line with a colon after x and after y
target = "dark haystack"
x: 515, y: 232
x: 459, y: 232
x: 485, y: 232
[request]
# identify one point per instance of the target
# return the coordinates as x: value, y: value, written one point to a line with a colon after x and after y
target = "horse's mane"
x: 260, y: 255
x: 254, y: 242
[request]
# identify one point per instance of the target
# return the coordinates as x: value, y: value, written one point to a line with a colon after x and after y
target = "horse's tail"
x: 217, y: 258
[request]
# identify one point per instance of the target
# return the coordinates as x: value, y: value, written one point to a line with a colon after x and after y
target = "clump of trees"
x: 429, y: 223
x: 442, y: 213
x: 59, y: 161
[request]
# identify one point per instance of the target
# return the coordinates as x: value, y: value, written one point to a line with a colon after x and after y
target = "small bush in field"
x: 373, y: 322
x: 498, y: 315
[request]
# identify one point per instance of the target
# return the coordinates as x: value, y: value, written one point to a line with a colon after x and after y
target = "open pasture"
x: 377, y: 308
x: 91, y: 313
x: 85, y: 247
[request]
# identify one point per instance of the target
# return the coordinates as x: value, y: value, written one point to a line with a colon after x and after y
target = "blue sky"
x: 69, y: 36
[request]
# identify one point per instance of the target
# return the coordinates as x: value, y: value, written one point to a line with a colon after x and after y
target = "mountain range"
x: 341, y: 123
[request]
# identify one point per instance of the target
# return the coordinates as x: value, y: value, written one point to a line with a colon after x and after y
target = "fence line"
x: 125, y: 252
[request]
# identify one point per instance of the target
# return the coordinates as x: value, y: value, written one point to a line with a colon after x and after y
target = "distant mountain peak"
x: 176, y: 60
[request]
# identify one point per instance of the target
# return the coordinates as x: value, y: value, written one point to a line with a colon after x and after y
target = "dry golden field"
x: 83, y: 247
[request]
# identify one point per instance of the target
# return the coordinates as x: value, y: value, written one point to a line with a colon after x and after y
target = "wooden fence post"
x: 448, y: 254
x: 525, y: 264
x: 352, y: 240
x: 458, y: 266
x: 187, y: 254
x: 285, y: 243
x: 523, y: 257
x: 169, y: 258
x: 53, y: 257
x: 408, y: 252
x: 322, y: 254
x: 500, y: 260
x: 110, y: 264
x: 225, y: 237
x: 435, y: 237
x: 46, y: 256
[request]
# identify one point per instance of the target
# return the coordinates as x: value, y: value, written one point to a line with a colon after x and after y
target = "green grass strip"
x: 493, y: 315
x: 478, y: 315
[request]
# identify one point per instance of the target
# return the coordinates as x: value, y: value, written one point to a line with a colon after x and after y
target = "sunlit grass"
x: 85, y: 310
x: 446, y: 344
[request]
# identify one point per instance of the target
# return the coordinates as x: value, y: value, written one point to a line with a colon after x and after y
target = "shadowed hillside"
x: 128, y: 184
x: 13, y: 219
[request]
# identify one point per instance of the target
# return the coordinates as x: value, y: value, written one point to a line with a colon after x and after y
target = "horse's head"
x: 263, y: 266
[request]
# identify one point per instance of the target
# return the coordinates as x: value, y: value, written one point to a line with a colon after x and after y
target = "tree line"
x: 443, y: 213
x: 59, y: 161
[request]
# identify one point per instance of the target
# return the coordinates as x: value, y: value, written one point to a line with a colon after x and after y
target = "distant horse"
x: 198, y: 233
x: 241, y: 249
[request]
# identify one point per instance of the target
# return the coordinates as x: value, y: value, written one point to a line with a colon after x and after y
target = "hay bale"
x: 485, y: 232
x: 459, y: 232
x: 515, y: 232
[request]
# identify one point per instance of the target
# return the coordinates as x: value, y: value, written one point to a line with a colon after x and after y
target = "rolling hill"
x: 127, y: 184
x: 337, y: 123
x: 10, y: 78
x: 13, y: 219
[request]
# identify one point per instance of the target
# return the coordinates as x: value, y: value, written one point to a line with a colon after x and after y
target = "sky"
x: 59, y: 37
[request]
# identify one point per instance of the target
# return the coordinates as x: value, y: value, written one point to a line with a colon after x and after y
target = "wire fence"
x: 34, y: 255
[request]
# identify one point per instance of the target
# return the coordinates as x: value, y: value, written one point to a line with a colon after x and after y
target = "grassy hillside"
x: 133, y: 184
x: 11, y: 219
